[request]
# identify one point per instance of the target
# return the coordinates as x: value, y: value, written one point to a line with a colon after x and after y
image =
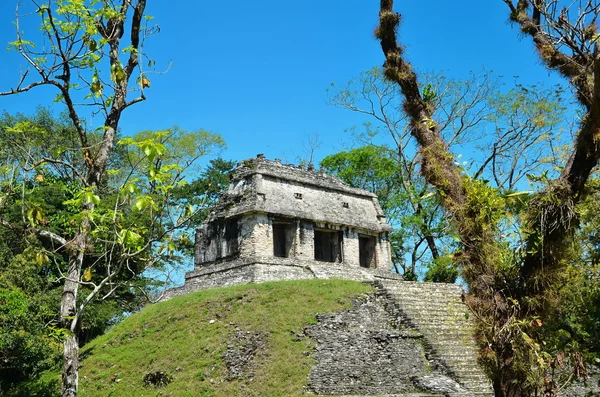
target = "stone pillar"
x: 384, y: 254
x: 202, y: 246
x: 256, y: 236
x: 351, y: 248
x: 305, y: 241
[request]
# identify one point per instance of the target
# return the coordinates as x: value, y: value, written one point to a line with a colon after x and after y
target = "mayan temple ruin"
x: 283, y: 222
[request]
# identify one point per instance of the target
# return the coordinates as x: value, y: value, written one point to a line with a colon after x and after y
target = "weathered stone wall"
x: 218, y: 240
x: 244, y: 271
x: 384, y: 256
x: 264, y: 192
x: 351, y: 248
x: 251, y: 236
x: 260, y: 185
x: 317, y: 203
x: 589, y: 387
x: 373, y: 349
x: 437, y: 310
x: 257, y: 236
x: 305, y: 237
x: 360, y: 351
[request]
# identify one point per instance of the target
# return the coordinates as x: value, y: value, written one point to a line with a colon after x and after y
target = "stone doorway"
x: 366, y: 249
x: 283, y: 239
x: 328, y: 246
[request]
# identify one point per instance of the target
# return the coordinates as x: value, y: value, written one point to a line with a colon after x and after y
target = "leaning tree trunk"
x: 551, y: 215
x: 479, y: 242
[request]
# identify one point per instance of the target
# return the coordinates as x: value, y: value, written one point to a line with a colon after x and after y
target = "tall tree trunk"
x: 68, y: 314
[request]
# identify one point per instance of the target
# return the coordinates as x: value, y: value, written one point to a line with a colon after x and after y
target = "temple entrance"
x: 328, y: 245
x: 366, y: 249
x: 283, y: 239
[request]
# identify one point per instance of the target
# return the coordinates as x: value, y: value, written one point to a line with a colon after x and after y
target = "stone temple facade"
x: 282, y: 222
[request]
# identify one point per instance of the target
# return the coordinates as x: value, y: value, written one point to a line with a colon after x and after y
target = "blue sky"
x: 257, y: 71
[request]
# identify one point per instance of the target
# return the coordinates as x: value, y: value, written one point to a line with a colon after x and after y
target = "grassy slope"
x: 177, y: 337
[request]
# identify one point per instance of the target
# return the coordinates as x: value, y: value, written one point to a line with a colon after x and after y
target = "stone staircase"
x: 439, y: 313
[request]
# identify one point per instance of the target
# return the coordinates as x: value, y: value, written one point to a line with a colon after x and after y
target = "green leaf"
x: 117, y: 74
x: 141, y: 203
x: 90, y: 197
x: 87, y: 274
x: 519, y: 193
x: 131, y: 188
x: 96, y: 86
x: 16, y: 45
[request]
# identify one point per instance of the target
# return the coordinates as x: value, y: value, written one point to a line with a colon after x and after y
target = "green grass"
x: 177, y: 337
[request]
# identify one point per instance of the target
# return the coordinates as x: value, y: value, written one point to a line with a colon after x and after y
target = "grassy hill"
x: 238, y: 341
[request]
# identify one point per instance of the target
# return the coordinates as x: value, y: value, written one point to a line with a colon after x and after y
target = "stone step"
x: 451, y: 308
x: 413, y: 295
x: 412, y: 284
x: 438, y: 312
x: 441, y: 318
x: 467, y: 342
x: 419, y: 290
x: 474, y: 380
x: 416, y: 298
x: 454, y: 348
x: 392, y: 395
x: 474, y: 374
x: 455, y: 294
x: 446, y: 332
x: 464, y: 360
x: 477, y: 386
x: 431, y: 322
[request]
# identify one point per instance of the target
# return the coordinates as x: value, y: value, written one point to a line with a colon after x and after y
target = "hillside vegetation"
x: 187, y: 339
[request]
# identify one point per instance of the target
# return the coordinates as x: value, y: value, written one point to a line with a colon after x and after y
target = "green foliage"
x: 133, y: 206
x: 367, y: 167
x: 428, y: 93
x: 442, y: 270
x: 87, y: 28
x: 26, y: 346
x: 486, y: 205
x: 204, y: 191
x: 411, y: 208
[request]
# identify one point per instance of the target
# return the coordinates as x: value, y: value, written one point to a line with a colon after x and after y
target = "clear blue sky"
x: 256, y: 71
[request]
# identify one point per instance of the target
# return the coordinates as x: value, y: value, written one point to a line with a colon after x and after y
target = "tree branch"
x: 40, y: 232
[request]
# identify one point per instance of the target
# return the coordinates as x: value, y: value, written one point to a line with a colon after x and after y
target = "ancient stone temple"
x: 280, y: 222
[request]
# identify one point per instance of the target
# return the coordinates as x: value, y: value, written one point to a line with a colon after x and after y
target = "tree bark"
x: 68, y: 314
x: 556, y: 219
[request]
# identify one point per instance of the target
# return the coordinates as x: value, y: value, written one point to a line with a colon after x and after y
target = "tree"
x: 512, y: 292
x: 136, y: 222
x: 81, y: 36
x: 92, y: 53
x: 473, y: 113
x: 376, y: 169
x: 205, y: 190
